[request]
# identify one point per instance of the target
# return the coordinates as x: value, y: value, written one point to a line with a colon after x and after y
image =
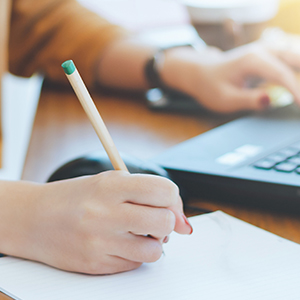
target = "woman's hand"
x: 107, y: 223
x: 219, y: 80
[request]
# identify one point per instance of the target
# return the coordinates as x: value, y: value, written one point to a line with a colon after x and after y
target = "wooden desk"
x: 63, y: 132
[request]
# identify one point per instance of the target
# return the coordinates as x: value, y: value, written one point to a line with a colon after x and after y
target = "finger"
x: 147, y: 190
x: 271, y: 68
x: 166, y: 239
x: 159, y: 192
x: 239, y: 99
x: 139, y: 188
x: 182, y: 224
x: 151, y: 190
x: 146, y: 220
x: 291, y: 58
x: 138, y: 248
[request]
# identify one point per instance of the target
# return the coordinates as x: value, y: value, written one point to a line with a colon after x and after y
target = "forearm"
x: 45, y: 33
x: 122, y: 64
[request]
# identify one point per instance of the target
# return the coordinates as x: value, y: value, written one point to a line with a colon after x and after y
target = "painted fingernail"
x: 187, y: 223
x: 166, y: 239
x: 265, y: 101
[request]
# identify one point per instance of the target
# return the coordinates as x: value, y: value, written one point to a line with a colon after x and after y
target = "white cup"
x: 230, y: 23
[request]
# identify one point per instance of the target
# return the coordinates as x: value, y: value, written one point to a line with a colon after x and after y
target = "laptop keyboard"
x: 285, y: 160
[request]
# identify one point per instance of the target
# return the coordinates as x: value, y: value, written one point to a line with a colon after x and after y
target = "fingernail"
x: 265, y: 101
x: 166, y: 239
x: 187, y: 223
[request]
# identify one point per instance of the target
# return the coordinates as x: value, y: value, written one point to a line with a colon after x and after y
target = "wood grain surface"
x: 62, y: 132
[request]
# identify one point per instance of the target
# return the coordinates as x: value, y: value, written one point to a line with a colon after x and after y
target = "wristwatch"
x: 165, y: 39
x: 160, y: 96
x: 152, y: 66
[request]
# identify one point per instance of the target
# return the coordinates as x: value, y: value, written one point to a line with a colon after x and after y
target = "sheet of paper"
x: 19, y: 103
x: 224, y: 258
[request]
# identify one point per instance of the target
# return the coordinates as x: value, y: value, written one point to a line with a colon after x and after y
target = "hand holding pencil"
x: 109, y: 222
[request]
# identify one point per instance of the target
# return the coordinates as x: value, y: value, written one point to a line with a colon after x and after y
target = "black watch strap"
x: 151, y: 69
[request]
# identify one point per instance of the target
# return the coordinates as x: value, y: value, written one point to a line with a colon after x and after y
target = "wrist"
x: 18, y: 206
x: 188, y: 41
x: 180, y: 68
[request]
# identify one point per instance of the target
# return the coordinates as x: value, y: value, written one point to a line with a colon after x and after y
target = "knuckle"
x: 108, y: 179
x: 87, y: 216
x: 171, y: 189
x: 87, y: 222
x: 163, y: 190
x: 169, y: 222
x: 111, y: 173
x: 250, y: 58
x: 223, y: 103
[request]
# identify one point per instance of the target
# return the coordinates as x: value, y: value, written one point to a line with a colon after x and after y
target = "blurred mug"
x: 230, y: 23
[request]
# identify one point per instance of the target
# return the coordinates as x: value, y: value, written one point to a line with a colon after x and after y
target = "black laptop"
x: 255, y: 158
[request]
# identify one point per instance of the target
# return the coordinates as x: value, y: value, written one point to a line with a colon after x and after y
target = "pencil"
x: 93, y: 115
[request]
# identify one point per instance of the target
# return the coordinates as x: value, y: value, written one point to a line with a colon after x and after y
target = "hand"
x: 107, y: 223
x: 218, y: 80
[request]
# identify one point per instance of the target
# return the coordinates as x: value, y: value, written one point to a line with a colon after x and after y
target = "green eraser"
x: 68, y: 67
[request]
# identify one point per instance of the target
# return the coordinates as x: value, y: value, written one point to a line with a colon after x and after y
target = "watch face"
x: 171, y: 100
x: 156, y: 98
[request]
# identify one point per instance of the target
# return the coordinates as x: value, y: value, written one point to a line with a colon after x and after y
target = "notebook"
x: 225, y: 258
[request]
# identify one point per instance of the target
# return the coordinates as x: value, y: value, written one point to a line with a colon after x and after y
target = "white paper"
x: 19, y: 102
x: 224, y: 258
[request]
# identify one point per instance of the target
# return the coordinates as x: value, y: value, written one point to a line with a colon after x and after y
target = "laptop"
x: 255, y: 159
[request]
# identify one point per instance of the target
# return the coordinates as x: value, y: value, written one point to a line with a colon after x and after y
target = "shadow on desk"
x: 176, y: 100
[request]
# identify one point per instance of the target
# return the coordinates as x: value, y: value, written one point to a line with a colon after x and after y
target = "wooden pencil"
x: 93, y: 115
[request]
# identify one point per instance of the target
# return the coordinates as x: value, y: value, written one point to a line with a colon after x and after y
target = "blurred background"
x: 222, y: 23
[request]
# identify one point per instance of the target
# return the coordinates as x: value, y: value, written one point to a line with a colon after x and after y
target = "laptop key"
x: 298, y: 170
x: 265, y: 164
x: 277, y: 157
x: 285, y: 167
x: 289, y: 151
x: 295, y: 160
